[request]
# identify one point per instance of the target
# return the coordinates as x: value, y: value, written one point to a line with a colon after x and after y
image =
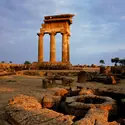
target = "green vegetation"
x: 122, y: 62
x: 27, y: 62
x: 2, y: 61
x: 115, y: 60
x: 102, y: 62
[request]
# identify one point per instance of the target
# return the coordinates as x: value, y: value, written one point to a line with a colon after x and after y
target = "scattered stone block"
x: 61, y: 92
x: 110, y: 80
x: 85, y: 91
x: 25, y: 102
x: 82, y: 77
x: 51, y: 101
x: 47, y: 83
x: 67, y: 81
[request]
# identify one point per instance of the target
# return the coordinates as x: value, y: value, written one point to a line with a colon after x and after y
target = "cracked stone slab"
x: 33, y: 117
x: 61, y: 120
x: 44, y: 116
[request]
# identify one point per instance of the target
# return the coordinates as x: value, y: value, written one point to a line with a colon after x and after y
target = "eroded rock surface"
x: 95, y: 117
x: 25, y: 110
x: 85, y: 91
x: 51, y: 101
x: 25, y: 102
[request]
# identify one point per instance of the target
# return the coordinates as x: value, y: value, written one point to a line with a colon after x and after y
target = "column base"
x: 54, y: 66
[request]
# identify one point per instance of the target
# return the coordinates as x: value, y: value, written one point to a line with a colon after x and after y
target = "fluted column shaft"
x: 40, y: 47
x: 64, y: 47
x: 68, y: 48
x: 52, y: 47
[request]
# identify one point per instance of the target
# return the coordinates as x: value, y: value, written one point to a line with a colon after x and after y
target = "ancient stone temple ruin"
x: 52, y: 25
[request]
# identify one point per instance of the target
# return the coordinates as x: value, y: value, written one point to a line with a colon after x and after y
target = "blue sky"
x: 97, y: 32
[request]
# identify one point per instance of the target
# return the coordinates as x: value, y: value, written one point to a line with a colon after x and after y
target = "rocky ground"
x: 31, y: 86
x: 14, y: 85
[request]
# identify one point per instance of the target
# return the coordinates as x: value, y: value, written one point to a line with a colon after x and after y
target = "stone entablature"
x: 53, y: 25
x: 61, y: 17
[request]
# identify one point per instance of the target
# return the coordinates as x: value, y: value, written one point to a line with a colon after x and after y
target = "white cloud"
x: 93, y: 34
x: 90, y: 32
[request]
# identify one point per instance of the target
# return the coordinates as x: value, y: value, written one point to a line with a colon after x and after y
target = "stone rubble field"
x: 25, y: 102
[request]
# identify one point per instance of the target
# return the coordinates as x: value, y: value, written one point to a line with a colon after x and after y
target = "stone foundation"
x: 75, y: 110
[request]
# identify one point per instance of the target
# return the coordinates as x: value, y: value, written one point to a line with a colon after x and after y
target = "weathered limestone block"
x: 95, y: 117
x: 46, y: 83
x: 85, y: 91
x: 82, y: 77
x: 100, y: 122
x: 114, y: 123
x: 57, y: 77
x: 67, y: 81
x: 110, y: 80
x: 92, y: 116
x: 78, y: 104
x: 61, y: 92
x: 18, y: 114
x: 25, y: 102
x: 73, y: 91
x: 49, y: 74
x: 101, y: 78
x: 47, y: 102
x: 102, y: 69
x: 44, y: 116
x: 63, y: 120
x: 51, y: 101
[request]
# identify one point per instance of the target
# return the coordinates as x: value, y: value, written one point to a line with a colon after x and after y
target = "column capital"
x: 68, y: 34
x: 52, y: 33
x: 41, y: 34
x: 63, y: 33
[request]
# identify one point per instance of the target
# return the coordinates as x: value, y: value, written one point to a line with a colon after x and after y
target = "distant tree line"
x: 5, y: 62
x: 115, y: 60
x: 26, y: 62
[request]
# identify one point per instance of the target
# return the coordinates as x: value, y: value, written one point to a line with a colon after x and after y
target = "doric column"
x: 52, y: 47
x: 64, y: 47
x: 40, y: 47
x: 68, y: 48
